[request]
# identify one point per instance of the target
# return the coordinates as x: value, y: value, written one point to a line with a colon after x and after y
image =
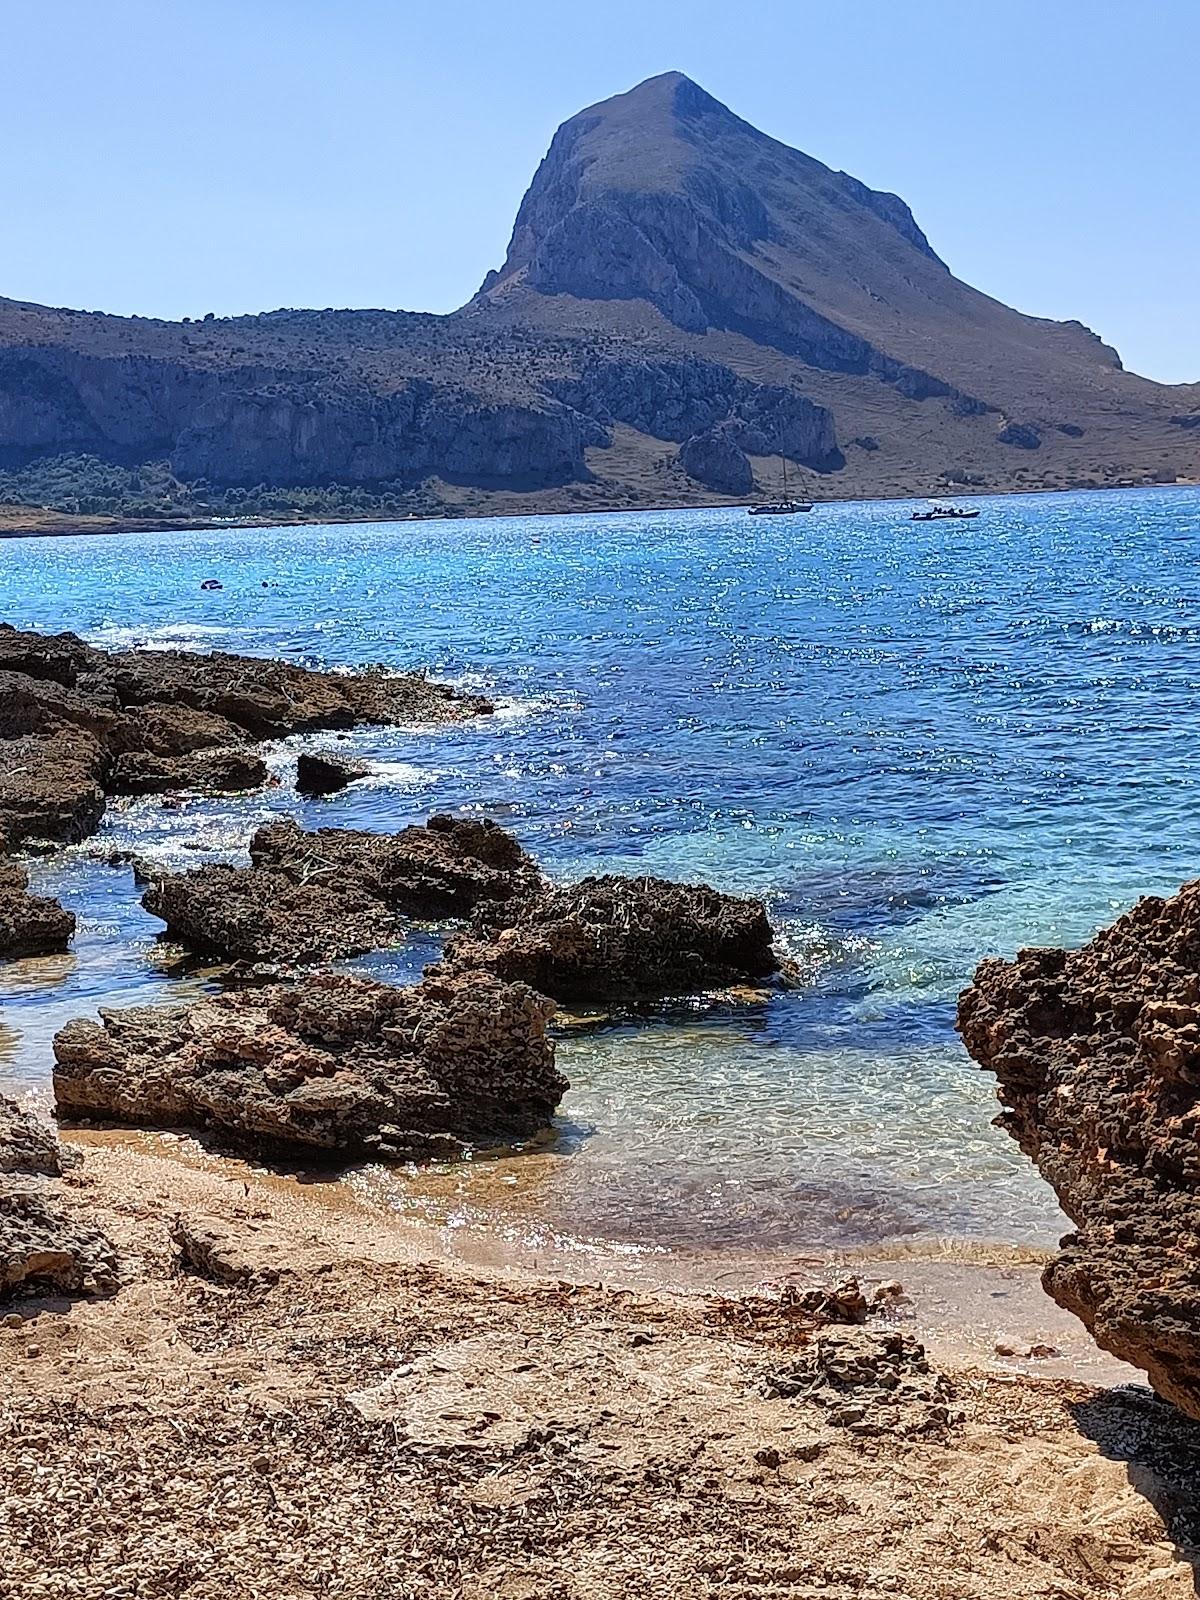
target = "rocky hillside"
x: 683, y: 299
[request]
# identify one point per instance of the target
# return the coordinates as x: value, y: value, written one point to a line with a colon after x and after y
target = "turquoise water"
x: 921, y: 743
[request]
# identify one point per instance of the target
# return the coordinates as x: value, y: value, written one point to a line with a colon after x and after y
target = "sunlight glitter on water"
x: 920, y: 745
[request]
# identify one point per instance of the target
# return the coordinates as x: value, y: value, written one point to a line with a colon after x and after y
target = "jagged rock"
x: 675, y: 399
x: 715, y: 459
x: 52, y: 787
x: 611, y: 937
x: 264, y: 917
x: 28, y: 1146
x: 321, y: 896
x: 318, y: 774
x: 205, y: 771
x: 158, y: 729
x: 41, y: 1249
x: 30, y: 925
x: 1097, y: 1056
x: 334, y: 1062
x: 444, y: 867
x: 77, y: 723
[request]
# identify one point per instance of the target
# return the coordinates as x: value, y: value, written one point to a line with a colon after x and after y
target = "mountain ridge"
x: 674, y: 277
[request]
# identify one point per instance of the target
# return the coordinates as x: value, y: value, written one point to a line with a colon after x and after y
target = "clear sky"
x: 172, y: 157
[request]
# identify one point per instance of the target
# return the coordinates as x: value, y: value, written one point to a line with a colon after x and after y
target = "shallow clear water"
x: 920, y: 742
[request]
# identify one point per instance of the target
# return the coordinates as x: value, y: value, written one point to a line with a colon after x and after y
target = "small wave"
x: 197, y: 636
x: 401, y: 774
x: 1120, y: 627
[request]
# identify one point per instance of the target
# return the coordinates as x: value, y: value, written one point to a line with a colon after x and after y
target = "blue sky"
x: 173, y: 157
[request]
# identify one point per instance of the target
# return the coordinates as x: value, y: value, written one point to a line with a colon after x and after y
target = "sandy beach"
x: 315, y: 1410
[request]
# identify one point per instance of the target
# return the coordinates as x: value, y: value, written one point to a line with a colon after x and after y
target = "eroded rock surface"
x: 77, y: 723
x: 30, y: 925
x: 208, y: 771
x: 28, y: 1146
x: 42, y: 1249
x: 264, y: 917
x: 444, y: 867
x: 611, y: 937
x: 1097, y: 1056
x: 335, y: 1063
x: 311, y: 897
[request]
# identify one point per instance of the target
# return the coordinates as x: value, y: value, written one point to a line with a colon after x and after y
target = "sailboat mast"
x: 783, y: 464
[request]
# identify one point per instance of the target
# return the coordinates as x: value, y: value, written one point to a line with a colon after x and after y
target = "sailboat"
x: 783, y: 507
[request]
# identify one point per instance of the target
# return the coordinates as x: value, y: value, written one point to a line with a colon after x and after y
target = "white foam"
x: 197, y: 636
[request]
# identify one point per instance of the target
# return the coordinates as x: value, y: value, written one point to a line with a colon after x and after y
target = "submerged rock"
x: 77, y: 722
x: 1097, y: 1056
x: 318, y: 773
x: 30, y: 925
x: 335, y: 1063
x: 611, y: 937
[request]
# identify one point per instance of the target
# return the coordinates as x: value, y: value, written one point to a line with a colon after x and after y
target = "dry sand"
x: 346, y: 1421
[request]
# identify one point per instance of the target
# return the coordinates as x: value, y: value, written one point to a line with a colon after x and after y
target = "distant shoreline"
x: 48, y: 524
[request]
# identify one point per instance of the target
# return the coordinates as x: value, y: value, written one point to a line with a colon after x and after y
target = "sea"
x: 922, y: 744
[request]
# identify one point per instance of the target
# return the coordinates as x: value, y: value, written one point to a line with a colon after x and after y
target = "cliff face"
x: 276, y: 426
x: 674, y: 276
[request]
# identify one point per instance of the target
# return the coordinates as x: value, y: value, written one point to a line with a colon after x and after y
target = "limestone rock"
x: 40, y: 1249
x: 28, y: 1147
x: 1021, y: 435
x: 30, y: 925
x: 242, y: 1255
x: 77, y: 723
x: 612, y: 938
x: 1097, y: 1058
x: 204, y: 772
x: 51, y: 787
x: 265, y: 917
x: 333, y: 1063
x: 444, y: 867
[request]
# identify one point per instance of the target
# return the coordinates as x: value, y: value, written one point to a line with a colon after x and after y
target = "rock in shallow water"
x: 612, y: 937
x: 335, y: 1062
x: 320, y: 774
x: 312, y: 897
x: 1097, y: 1056
x: 259, y: 916
x: 30, y: 925
x: 77, y: 722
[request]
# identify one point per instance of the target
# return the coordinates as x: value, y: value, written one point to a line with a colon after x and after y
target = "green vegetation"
x: 82, y: 485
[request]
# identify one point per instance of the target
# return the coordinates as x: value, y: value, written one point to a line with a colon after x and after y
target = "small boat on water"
x: 944, y: 514
x: 784, y: 506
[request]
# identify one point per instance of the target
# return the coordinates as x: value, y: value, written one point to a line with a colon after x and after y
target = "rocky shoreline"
x: 1097, y: 1056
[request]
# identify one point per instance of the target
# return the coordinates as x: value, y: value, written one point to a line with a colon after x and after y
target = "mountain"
x: 682, y: 300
